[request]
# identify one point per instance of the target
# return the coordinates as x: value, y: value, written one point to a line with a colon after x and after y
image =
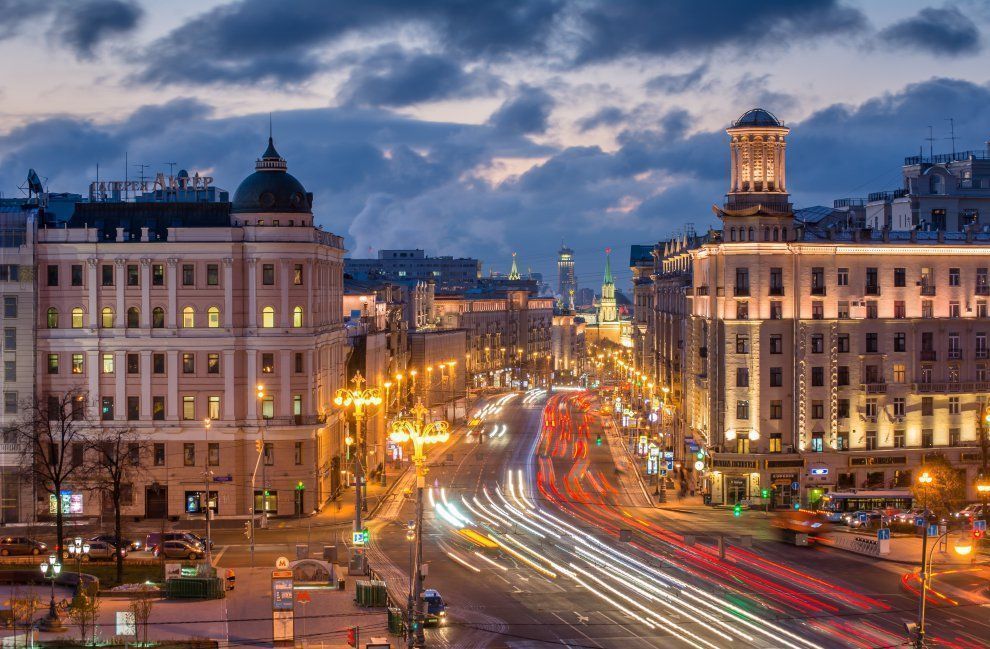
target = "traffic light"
x: 764, y: 493
x: 247, y: 530
x: 978, y: 534
x: 598, y: 441
x: 258, y: 445
x: 351, y: 637
x: 737, y: 510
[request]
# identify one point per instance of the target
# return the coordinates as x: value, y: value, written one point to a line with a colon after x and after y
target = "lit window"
x: 108, y: 363
x: 188, y: 408
x: 52, y: 318
x: 268, y: 317
x: 214, y: 407
x: 158, y: 318
x: 213, y: 317
x: 133, y: 317
x: 297, y: 317
x: 188, y: 317
x: 106, y: 317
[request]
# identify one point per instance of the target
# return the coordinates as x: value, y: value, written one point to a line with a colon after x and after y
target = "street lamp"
x: 411, y: 538
x: 421, y: 433
x: 50, y: 571
x: 963, y: 546
x: 358, y: 398
x: 206, y: 492
x: 77, y: 549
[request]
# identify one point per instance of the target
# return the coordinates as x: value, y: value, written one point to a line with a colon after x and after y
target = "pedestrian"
x: 229, y: 578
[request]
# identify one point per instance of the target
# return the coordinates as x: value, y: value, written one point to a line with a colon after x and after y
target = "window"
x: 742, y: 445
x: 106, y: 317
x: 776, y: 344
x: 297, y: 316
x: 900, y: 309
x: 133, y: 278
x: 107, y: 271
x: 189, y: 454
x: 927, y: 438
x: 842, y: 343
x: 213, y: 317
x: 79, y: 408
x: 818, y: 281
x: 297, y: 405
x: 871, y: 343
x: 842, y: 375
x: 898, y: 405
x: 871, y: 409
x: 10, y: 306
x: 188, y: 275
x: 188, y: 317
x: 776, y: 409
x: 10, y: 370
x: 817, y: 376
x: 817, y: 310
x: 268, y: 407
x: 817, y: 343
x: 133, y: 317
x: 954, y: 437
x: 954, y: 309
x: 900, y: 277
x: 213, y: 363
x: 981, y: 345
x: 872, y: 374
x: 212, y: 275
x: 871, y: 440
x: 158, y: 363
x: 842, y: 277
x: 77, y: 363
x: 742, y: 344
x: 268, y: 317
x: 133, y: 364
x: 817, y: 441
x: 188, y: 408
x: 269, y: 453
x: 926, y: 374
x: 982, y: 282
x: 297, y: 275
x: 742, y: 281
x: 77, y: 275
x: 106, y: 408
x: 52, y: 318
x: 53, y: 363
x: 213, y: 454
x: 267, y: 363
x: 954, y: 405
x: 188, y: 363
x: 742, y: 409
x: 900, y: 341
x: 900, y: 373
x: 927, y: 406
x: 776, y: 377
x: 776, y: 309
x: 742, y: 310
x: 159, y: 454
x: 817, y: 409
x: 158, y: 275
x: 872, y: 282
x: 776, y: 281
x: 927, y: 339
x: 297, y: 454
x: 981, y: 372
x: 842, y: 310
x: 53, y: 274
x: 107, y: 363
x: 842, y: 444
x: 133, y: 408
x: 158, y: 408
x: 871, y: 309
x: 927, y: 309
x: 10, y: 339
x: 158, y: 318
x: 213, y: 407
x: 742, y: 377
x: 898, y: 439
x: 299, y: 363
x: 842, y: 408
x: 268, y: 274
x: 953, y: 277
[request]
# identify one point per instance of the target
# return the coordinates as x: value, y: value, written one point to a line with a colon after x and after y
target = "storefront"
x: 733, y: 480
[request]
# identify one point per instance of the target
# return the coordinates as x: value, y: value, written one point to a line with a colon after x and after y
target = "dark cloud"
x: 607, y: 116
x: 393, y: 77
x: 945, y: 31
x: 527, y: 112
x: 83, y: 25
x: 673, y: 84
x: 609, y: 30
x: 17, y: 13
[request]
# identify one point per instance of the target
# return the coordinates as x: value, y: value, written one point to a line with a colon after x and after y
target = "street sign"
x: 303, y: 597
x: 919, y: 521
x: 360, y: 537
x: 281, y: 594
x: 795, y: 485
x: 282, y: 563
x: 862, y: 518
x: 980, y: 526
x: 883, y: 534
x: 933, y: 530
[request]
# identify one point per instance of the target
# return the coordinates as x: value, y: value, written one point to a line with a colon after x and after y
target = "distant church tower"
x: 607, y: 310
x: 566, y: 282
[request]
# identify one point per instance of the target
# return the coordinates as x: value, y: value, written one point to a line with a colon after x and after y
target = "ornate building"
x: 608, y: 311
x: 808, y: 358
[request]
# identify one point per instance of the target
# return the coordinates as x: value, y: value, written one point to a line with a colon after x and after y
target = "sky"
x: 480, y: 129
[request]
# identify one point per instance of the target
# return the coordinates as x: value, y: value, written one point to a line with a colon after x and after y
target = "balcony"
x: 11, y: 454
x: 951, y: 387
x: 740, y: 291
x: 818, y: 290
x: 873, y: 388
x: 955, y: 354
x: 871, y: 289
x: 776, y: 290
x: 929, y: 355
x: 927, y: 290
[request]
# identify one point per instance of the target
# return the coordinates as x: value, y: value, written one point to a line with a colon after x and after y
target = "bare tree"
x: 85, y: 611
x: 51, y: 436
x: 140, y: 606
x: 23, y: 605
x: 114, y: 463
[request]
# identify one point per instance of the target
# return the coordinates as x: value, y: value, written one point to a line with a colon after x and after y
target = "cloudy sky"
x: 480, y: 128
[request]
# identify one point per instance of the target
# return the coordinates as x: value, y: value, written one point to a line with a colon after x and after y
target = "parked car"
x: 909, y: 515
x: 201, y: 539
x: 155, y: 539
x: 177, y: 549
x: 436, y: 609
x: 10, y: 545
x: 102, y: 551
x: 127, y: 544
x: 970, y: 512
x: 874, y: 518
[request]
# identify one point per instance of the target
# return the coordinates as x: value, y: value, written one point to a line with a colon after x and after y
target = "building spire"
x: 608, y: 267
x: 608, y: 311
x: 514, y: 273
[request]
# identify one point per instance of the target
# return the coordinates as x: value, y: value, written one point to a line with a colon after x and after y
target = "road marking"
x: 216, y: 557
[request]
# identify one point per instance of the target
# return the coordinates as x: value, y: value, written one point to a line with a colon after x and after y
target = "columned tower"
x: 607, y: 309
x: 758, y: 162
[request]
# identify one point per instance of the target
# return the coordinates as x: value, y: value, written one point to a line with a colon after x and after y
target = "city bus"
x: 836, y: 504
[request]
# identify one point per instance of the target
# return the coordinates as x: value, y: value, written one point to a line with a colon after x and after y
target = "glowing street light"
x: 358, y: 399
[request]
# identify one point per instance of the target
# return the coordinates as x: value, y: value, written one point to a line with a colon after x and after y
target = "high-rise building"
x: 449, y: 273
x: 566, y: 279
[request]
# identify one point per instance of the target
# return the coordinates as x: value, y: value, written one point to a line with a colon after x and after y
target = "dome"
x: 271, y: 188
x: 757, y: 117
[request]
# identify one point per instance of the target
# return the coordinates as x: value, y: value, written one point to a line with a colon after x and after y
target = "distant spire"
x: 514, y: 273
x: 608, y: 267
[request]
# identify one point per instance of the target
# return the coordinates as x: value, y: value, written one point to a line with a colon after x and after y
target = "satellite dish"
x: 34, y: 183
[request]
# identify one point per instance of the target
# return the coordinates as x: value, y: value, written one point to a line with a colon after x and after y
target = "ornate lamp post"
x: 962, y: 547
x: 206, y: 494
x: 358, y: 398
x: 77, y: 549
x: 421, y: 433
x: 50, y: 571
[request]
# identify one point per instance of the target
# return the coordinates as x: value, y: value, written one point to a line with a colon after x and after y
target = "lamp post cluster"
x: 358, y: 399
x: 420, y: 433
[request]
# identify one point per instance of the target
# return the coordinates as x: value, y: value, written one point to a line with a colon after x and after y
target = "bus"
x: 837, y: 504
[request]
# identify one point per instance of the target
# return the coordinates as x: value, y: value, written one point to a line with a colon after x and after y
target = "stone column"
x: 92, y: 279
x: 228, y: 296
x: 285, y: 318
x: 285, y: 385
x: 145, y: 368
x: 252, y: 381
x: 119, y: 281
x: 93, y: 375
x: 229, y: 395
x: 145, y: 303
x: 120, y: 385
x: 252, y: 286
x: 172, y: 310
x: 172, y: 399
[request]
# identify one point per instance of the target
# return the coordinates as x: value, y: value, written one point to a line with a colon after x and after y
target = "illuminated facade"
x: 566, y: 279
x: 815, y: 359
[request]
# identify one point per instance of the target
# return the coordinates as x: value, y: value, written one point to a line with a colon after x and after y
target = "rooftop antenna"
x: 952, y: 135
x: 171, y: 167
x: 931, y: 140
x: 269, y: 125
x: 141, y: 168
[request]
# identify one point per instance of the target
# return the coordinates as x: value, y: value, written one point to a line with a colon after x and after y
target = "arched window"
x: 106, y: 318
x: 213, y: 317
x: 188, y: 317
x: 268, y: 317
x: 297, y: 317
x: 732, y: 234
x: 52, y: 318
x: 77, y: 318
x: 766, y: 233
x: 935, y: 184
x: 752, y: 236
x: 776, y: 233
x: 133, y: 317
x: 158, y: 318
x: 783, y: 234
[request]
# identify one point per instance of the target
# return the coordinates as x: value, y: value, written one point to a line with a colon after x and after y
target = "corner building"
x: 167, y: 313
x: 821, y: 359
